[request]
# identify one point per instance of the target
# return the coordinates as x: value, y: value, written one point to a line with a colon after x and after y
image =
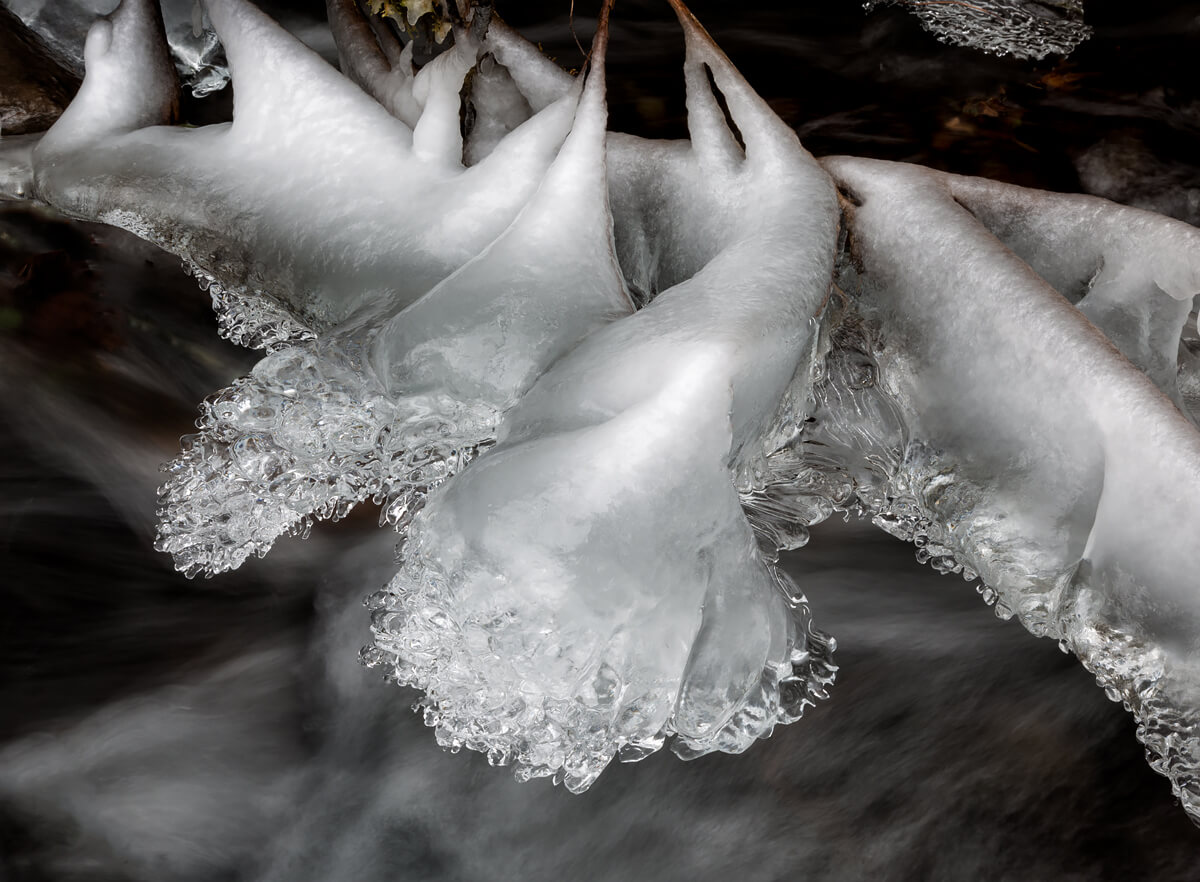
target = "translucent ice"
x: 16, y: 165
x: 392, y: 406
x: 1041, y: 458
x: 592, y: 585
x: 195, y: 51
x: 1024, y: 28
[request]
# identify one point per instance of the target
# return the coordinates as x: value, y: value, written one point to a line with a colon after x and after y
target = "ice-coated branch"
x: 374, y: 57
x: 599, y: 381
x: 1134, y: 274
x: 1042, y: 459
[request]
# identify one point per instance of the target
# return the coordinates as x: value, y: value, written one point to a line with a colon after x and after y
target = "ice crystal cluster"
x: 1021, y: 28
x: 599, y: 382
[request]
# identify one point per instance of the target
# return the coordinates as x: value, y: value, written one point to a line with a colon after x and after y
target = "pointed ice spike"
x: 712, y: 141
x: 464, y: 337
x: 766, y: 136
x: 281, y: 87
x: 674, y: 202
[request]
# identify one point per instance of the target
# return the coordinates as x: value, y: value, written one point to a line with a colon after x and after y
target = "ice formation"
x: 403, y: 397
x: 544, y: 592
x: 291, y: 238
x: 1022, y: 28
x: 599, y: 382
x: 1043, y: 459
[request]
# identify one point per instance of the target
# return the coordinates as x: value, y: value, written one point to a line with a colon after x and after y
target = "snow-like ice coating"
x: 1048, y: 463
x: 1134, y: 274
x: 599, y: 382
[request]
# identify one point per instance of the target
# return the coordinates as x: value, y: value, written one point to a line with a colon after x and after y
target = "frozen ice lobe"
x: 591, y: 585
x: 1039, y: 457
x: 315, y: 204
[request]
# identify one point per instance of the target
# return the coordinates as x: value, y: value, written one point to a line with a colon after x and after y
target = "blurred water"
x: 153, y: 728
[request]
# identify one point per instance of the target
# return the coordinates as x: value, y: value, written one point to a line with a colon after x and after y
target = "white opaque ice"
x: 1133, y: 273
x: 1058, y: 471
x: 603, y: 540
x: 315, y: 197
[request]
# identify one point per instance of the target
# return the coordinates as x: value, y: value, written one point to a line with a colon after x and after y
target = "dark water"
x: 153, y: 728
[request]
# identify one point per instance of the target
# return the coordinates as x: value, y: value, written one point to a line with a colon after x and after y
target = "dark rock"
x: 35, y: 86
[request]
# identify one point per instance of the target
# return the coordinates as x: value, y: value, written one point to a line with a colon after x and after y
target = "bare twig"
x: 575, y: 36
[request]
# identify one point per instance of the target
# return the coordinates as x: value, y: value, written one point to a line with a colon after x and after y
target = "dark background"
x: 159, y: 729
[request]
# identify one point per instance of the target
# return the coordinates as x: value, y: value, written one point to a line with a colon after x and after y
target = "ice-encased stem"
x: 390, y: 407
x: 1055, y: 468
x: 591, y: 584
x: 311, y: 207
